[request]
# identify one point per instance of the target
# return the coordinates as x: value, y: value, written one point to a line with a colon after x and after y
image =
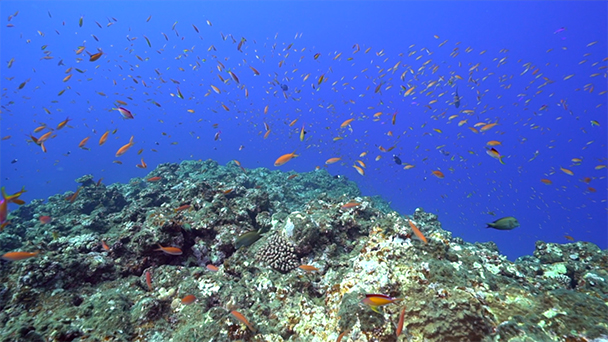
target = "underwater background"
x: 303, y: 171
x: 536, y: 69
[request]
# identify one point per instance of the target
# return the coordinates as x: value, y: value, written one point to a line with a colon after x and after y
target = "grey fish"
x: 456, y: 99
x: 247, y: 239
x: 505, y: 223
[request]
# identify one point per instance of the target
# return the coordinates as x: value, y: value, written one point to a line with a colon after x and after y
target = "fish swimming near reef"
x: 456, y: 99
x: 374, y: 301
x: 247, y: 239
x: 505, y: 223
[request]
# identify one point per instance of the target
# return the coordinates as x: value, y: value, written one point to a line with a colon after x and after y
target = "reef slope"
x: 452, y: 290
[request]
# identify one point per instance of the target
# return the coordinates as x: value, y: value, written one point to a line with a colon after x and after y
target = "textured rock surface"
x: 75, y: 290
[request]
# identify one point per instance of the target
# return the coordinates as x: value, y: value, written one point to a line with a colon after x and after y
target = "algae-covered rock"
x: 101, y: 275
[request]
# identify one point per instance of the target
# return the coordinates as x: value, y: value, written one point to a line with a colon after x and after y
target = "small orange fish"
x: 83, y: 142
x: 285, y: 158
x: 377, y: 300
x: 62, y: 124
x: 346, y: 123
x: 96, y: 56
x: 105, y: 246
x: 212, y: 268
x: 351, y: 204
x: 103, y: 138
x: 154, y: 179
x: 359, y: 170
x: 546, y: 181
x: 493, y: 143
x: 308, y: 268
x: 149, y: 280
x: 292, y: 176
x: 143, y: 164
x: 487, y: 127
x: 16, y: 256
x: 243, y: 320
x: 439, y: 174
x: 417, y: 231
x: 566, y: 171
x: 45, y: 219
x: 73, y: 196
x: 569, y: 237
x: 169, y: 250
x: 189, y: 299
x: 125, y: 148
x: 332, y: 160
x: 400, y: 323
x: 183, y: 207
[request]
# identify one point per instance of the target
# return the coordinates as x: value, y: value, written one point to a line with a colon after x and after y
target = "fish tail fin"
x: 500, y: 160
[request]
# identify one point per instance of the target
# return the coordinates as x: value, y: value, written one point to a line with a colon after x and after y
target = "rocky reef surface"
x: 127, y: 288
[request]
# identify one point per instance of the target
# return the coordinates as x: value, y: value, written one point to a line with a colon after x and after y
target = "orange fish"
x: 493, y: 143
x: 438, y: 174
x: 143, y: 164
x: 292, y: 176
x: 183, y: 207
x: 417, y: 231
x: 546, y: 181
x: 169, y: 250
x: 73, y: 196
x: 400, y: 323
x: 285, y: 158
x: 43, y: 138
x: 105, y: 246
x: 377, y: 300
x: 103, y: 138
x: 569, y: 237
x: 359, y: 170
x: 346, y: 123
x: 566, y: 171
x: 332, y: 160
x: 243, y: 320
x: 487, y: 127
x: 308, y: 268
x: 212, y: 268
x: 15, y: 256
x: 154, y: 179
x: 63, y: 123
x: 149, y: 280
x: 125, y: 148
x: 83, y: 142
x: 96, y: 56
x: 45, y: 219
x: 350, y: 204
x: 189, y: 299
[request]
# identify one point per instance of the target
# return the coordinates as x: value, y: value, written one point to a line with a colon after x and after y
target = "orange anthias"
x: 377, y: 300
x: 285, y: 158
x: 417, y: 231
x: 169, y: 250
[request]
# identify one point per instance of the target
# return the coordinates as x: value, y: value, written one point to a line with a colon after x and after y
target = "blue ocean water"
x: 536, y: 69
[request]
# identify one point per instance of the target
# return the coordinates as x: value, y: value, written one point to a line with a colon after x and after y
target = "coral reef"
x: 100, y: 275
